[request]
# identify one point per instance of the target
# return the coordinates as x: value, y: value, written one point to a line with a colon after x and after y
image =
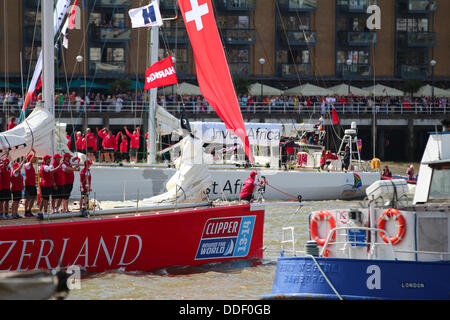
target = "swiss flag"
x: 160, y: 74
x: 211, y: 65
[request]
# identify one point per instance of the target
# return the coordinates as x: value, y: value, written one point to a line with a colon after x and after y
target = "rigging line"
x: 287, y: 39
x: 289, y: 45
x: 32, y: 42
x: 310, y: 48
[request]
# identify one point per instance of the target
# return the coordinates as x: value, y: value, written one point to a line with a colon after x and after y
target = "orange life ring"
x: 392, y: 213
x: 313, y: 228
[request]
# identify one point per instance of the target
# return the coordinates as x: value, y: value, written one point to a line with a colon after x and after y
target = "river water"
x: 239, y: 280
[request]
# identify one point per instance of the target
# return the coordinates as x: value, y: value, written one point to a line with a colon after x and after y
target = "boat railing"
x: 373, y: 245
x: 291, y: 241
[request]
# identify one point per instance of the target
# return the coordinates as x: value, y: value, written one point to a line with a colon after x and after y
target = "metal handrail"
x: 248, y: 108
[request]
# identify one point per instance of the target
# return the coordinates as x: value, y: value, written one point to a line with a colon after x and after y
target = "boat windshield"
x: 440, y: 184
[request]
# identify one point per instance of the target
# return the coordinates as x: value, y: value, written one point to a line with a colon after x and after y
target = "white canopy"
x: 426, y: 91
x: 342, y: 90
x: 255, y: 90
x: 381, y: 90
x: 182, y: 89
x: 309, y: 90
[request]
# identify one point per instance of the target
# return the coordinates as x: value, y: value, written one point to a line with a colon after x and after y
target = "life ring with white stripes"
x: 396, y: 215
x: 313, y: 227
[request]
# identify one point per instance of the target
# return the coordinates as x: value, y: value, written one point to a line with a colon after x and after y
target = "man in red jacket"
x: 249, y: 187
x: 134, y: 143
x: 46, y: 182
x: 123, y: 147
x: 68, y: 171
x: 91, y: 144
x: 85, y: 185
x: 30, y: 184
x: 79, y: 143
x: 108, y: 144
x: 16, y: 188
x: 5, y: 191
x: 58, y: 183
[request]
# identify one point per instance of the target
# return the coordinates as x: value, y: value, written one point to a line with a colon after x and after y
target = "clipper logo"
x: 226, y: 238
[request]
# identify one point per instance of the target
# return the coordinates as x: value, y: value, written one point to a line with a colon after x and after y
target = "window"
x: 238, y: 55
x: 440, y: 184
x: 357, y: 57
x: 95, y: 54
x: 234, y: 22
x: 95, y: 18
x: 294, y: 23
x: 296, y: 57
x: 413, y: 24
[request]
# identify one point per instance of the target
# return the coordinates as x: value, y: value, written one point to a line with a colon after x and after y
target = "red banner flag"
x: 213, y: 75
x: 335, y: 116
x: 160, y: 74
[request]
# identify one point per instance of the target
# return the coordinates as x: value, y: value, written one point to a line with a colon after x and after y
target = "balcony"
x: 299, y: 38
x: 356, y: 6
x: 298, y: 5
x: 106, y: 67
x: 239, y: 69
x: 414, y: 71
x: 421, y: 6
x: 239, y: 36
x: 294, y: 70
x: 113, y: 34
x: 236, y: 5
x: 114, y: 3
x: 181, y: 68
x: 421, y: 39
x: 354, y: 70
x: 174, y: 35
x: 358, y: 38
x: 168, y: 4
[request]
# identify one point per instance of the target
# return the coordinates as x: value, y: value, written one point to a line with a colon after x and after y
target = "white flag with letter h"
x: 147, y: 16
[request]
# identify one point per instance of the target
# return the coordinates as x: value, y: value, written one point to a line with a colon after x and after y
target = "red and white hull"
x: 135, y: 243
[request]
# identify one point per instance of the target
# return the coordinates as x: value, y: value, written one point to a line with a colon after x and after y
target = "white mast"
x: 48, y: 55
x: 154, y: 46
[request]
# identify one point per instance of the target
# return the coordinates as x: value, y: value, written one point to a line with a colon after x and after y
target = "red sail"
x: 212, y: 69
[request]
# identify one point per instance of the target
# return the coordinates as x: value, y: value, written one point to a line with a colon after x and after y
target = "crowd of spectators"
x: 134, y: 100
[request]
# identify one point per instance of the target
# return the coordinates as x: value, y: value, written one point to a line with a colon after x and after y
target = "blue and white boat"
x: 393, y: 249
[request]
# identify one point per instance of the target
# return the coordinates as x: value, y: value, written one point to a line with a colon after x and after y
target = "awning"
x: 427, y: 91
x: 309, y: 90
x: 381, y: 90
x: 342, y: 90
x: 81, y: 84
x: 255, y: 90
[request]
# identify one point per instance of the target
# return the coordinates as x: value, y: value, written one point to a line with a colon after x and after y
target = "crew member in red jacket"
x: 12, y: 123
x: 5, y: 191
x: 46, y: 182
x: 69, y: 142
x: 108, y: 143
x: 123, y: 146
x: 134, y: 143
x: 68, y: 170
x: 85, y: 185
x: 16, y: 188
x: 79, y: 143
x: 249, y: 187
x: 30, y: 184
x: 58, y: 183
x: 91, y: 144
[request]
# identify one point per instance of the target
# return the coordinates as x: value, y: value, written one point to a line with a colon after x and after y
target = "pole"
x: 151, y: 151
x: 48, y: 55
